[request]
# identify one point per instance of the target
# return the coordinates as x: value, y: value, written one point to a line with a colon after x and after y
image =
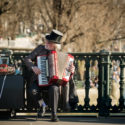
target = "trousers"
x: 36, y: 93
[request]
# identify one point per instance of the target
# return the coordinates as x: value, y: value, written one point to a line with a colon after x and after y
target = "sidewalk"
x: 28, y: 120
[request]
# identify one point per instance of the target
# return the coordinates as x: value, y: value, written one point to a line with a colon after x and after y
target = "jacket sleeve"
x: 32, y: 57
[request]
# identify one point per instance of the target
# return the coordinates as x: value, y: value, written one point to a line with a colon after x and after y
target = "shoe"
x: 41, y: 112
x: 54, y: 118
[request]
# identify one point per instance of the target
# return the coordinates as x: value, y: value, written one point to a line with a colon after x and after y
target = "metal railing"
x: 104, y: 64
x: 104, y: 61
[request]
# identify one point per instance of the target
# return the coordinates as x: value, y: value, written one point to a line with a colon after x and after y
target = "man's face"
x: 50, y: 45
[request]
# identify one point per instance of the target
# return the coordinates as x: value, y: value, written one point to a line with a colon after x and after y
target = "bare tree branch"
x: 7, y: 6
x: 48, y: 12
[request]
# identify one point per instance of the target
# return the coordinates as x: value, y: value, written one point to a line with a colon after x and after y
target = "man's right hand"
x: 36, y: 70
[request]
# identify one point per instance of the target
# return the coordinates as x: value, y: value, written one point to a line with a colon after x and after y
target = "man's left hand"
x: 71, y: 68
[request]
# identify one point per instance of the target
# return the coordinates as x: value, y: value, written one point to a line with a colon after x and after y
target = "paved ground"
x: 28, y: 120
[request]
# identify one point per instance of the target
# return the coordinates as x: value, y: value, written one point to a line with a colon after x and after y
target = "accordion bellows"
x: 54, y: 68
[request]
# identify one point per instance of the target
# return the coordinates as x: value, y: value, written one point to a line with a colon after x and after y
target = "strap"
x: 3, y: 86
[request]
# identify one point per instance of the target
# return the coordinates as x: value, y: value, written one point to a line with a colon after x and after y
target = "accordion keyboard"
x: 42, y: 63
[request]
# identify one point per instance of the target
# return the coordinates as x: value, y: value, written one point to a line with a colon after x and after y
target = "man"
x: 52, y: 43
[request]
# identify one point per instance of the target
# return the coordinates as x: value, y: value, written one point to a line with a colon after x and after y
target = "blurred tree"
x: 88, y: 25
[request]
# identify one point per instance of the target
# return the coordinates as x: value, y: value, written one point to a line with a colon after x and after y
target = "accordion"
x: 54, y: 68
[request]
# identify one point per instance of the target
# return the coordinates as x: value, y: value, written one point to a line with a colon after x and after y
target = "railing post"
x: 122, y: 82
x: 76, y: 67
x: 104, y: 101
x: 87, y: 84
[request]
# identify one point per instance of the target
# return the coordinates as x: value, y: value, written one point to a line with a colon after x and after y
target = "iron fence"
x: 101, y: 70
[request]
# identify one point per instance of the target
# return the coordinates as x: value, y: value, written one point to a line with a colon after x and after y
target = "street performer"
x: 52, y: 42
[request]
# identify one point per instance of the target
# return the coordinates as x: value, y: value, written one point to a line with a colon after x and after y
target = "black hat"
x: 55, y: 36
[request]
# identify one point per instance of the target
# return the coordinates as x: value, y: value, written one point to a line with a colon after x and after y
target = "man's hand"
x: 36, y: 70
x: 71, y: 68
